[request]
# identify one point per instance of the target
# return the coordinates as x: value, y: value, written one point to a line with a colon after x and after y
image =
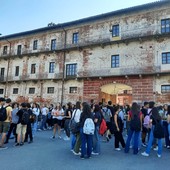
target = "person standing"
x: 135, y: 118
x: 13, y: 125
x: 85, y: 139
x: 4, y: 124
x: 44, y: 112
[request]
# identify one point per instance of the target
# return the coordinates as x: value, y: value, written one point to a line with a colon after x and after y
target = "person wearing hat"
x: 4, y: 124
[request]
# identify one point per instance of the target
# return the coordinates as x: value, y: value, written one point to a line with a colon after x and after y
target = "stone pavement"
x: 47, y: 154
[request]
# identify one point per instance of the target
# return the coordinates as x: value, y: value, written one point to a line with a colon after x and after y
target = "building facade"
x: 122, y: 56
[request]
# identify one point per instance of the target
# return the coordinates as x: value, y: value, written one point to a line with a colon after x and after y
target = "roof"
x: 130, y: 10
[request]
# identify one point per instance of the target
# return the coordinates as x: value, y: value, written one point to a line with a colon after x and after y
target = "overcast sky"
x: 23, y: 15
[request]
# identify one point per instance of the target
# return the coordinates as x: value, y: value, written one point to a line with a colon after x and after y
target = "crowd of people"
x: 138, y: 125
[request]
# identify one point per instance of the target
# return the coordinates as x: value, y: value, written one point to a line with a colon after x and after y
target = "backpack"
x: 135, y: 124
x: 158, y: 131
x: 25, y: 117
x: 88, y: 127
x: 3, y: 114
x: 106, y: 115
x: 74, y: 126
x: 103, y: 127
x: 146, y: 121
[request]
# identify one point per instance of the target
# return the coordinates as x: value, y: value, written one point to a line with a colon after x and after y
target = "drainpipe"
x: 64, y: 58
x: 6, y: 84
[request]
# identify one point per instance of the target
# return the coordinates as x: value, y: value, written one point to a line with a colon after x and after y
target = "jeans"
x: 139, y: 142
x: 73, y: 141
x: 34, y: 126
x: 165, y: 126
x: 169, y: 130
x: 86, y: 139
x: 151, y: 138
x: 96, y: 140
x: 136, y: 141
x: 43, y: 124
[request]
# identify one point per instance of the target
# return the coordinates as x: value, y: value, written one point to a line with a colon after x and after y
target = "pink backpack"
x: 146, y: 122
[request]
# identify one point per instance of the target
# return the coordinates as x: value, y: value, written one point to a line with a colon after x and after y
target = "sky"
x: 24, y: 15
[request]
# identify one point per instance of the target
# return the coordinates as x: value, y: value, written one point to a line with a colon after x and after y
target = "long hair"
x: 78, y: 105
x: 135, y: 109
x: 155, y: 113
x: 86, y: 109
x: 168, y: 109
x: 97, y: 108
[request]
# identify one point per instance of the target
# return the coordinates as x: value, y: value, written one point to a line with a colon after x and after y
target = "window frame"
x: 53, y: 44
x: 71, y: 70
x: 35, y: 44
x: 75, y: 39
x: 15, y: 90
x: 115, y: 30
x: 5, y: 50
x: 116, y: 63
x: 31, y: 90
x: 16, y: 71
x: 50, y: 90
x: 73, y: 90
x: 2, y: 71
x: 1, y: 91
x: 166, y: 88
x: 33, y: 68
x: 166, y: 58
x: 165, y: 28
x: 51, y: 67
x: 19, y: 49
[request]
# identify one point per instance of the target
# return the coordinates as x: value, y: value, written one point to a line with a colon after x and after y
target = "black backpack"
x: 3, y: 114
x: 25, y: 117
x: 135, y: 123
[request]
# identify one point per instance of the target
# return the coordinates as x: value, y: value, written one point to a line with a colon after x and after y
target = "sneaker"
x: 75, y: 153
x: 17, y: 144
x: 143, y: 144
x: 30, y: 141
x: 66, y: 138
x: 95, y: 153
x: 168, y: 147
x: 117, y: 149
x: 52, y: 137
x: 81, y: 157
x: 144, y: 154
x: 22, y: 143
x: 155, y: 149
x: 59, y: 137
x: 159, y: 156
x: 3, y: 147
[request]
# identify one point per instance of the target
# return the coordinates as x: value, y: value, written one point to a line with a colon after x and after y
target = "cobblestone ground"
x: 47, y: 154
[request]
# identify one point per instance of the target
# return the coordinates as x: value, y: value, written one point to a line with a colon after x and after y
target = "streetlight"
x: 6, y: 83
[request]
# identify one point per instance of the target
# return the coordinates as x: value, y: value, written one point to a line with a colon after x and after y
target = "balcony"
x: 120, y: 71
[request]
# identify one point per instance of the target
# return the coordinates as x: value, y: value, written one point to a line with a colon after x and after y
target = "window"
x: 53, y: 44
x: 165, y: 25
x: 1, y: 91
x: 73, y: 90
x: 35, y: 44
x: 165, y: 89
x: 71, y: 70
x: 115, y: 61
x: 17, y: 71
x: 31, y: 90
x: 33, y: 68
x: 166, y: 58
x: 19, y: 50
x: 75, y: 38
x: 5, y: 49
x: 50, y: 90
x: 51, y: 67
x: 15, y: 90
x: 2, y: 72
x: 115, y: 31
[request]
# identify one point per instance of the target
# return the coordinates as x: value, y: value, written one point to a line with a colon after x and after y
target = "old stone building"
x: 122, y: 56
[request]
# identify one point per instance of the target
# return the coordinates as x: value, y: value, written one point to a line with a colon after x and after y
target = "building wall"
x: 139, y: 46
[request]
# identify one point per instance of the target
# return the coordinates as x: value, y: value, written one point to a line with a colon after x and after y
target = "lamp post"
x: 6, y: 82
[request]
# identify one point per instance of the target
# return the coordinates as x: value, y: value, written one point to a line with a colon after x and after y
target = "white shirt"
x: 55, y: 116
x: 77, y: 113
x: 36, y: 111
x: 44, y: 111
